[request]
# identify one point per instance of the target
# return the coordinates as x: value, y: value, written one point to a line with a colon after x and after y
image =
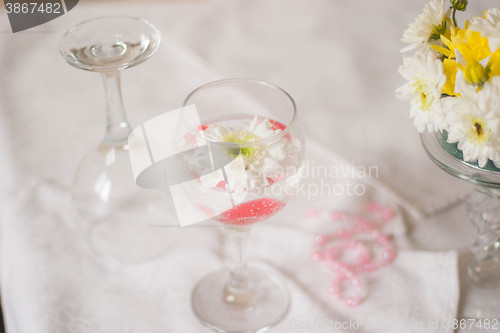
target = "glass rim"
x: 153, y: 28
x: 456, y: 167
x: 259, y: 142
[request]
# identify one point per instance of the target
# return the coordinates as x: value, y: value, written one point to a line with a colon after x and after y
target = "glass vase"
x: 483, y: 206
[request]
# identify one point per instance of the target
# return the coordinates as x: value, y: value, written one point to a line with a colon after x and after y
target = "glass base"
x: 263, y: 306
x: 130, y: 236
x: 485, y: 274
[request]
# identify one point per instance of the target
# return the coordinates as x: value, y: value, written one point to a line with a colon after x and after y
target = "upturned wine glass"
x: 118, y: 213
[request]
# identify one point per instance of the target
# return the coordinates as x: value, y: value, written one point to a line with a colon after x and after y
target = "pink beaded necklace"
x: 350, y: 251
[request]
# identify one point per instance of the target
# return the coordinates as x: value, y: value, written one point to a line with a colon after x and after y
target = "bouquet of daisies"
x: 453, y: 78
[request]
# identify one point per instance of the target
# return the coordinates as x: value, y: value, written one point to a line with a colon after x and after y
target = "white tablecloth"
x: 338, y: 59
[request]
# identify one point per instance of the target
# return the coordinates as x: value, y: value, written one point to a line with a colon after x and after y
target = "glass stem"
x: 117, y: 126
x: 238, y: 289
x: 483, y: 208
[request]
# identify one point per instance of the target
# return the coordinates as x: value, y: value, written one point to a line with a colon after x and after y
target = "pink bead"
x: 386, y: 214
x: 356, y: 281
x: 334, y: 265
x: 317, y: 256
x: 343, y: 271
x: 343, y: 232
x: 361, y: 221
x: 364, y: 257
x: 312, y: 213
x: 382, y: 238
x: 320, y: 239
x: 370, y: 267
x: 388, y: 255
x: 373, y: 207
x: 333, y: 289
x: 335, y: 216
x: 348, y: 244
x: 330, y: 255
x: 363, y: 225
x: 352, y: 301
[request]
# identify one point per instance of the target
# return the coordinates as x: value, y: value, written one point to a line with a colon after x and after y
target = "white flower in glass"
x: 429, y: 25
x: 425, y: 76
x: 264, y: 164
x: 488, y: 26
x: 474, y: 121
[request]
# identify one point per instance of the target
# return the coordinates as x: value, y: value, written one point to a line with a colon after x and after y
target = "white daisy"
x: 263, y: 163
x: 492, y: 89
x: 488, y: 26
x: 426, y: 24
x: 474, y: 121
x: 425, y: 76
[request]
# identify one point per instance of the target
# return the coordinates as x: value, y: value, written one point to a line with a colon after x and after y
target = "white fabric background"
x: 338, y: 59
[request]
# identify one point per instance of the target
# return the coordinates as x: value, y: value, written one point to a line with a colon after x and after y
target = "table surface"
x: 338, y: 59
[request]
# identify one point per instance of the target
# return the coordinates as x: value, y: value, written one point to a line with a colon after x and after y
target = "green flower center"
x: 239, y: 137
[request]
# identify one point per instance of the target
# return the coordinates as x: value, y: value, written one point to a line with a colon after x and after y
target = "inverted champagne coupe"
x: 255, y: 123
x: 119, y: 215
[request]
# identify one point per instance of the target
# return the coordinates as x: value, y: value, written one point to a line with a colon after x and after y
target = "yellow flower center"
x: 423, y: 90
x: 478, y: 132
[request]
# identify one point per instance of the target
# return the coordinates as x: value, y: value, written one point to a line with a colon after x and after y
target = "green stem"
x: 454, y: 18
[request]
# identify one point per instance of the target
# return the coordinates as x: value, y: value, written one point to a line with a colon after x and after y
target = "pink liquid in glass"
x: 251, y: 212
